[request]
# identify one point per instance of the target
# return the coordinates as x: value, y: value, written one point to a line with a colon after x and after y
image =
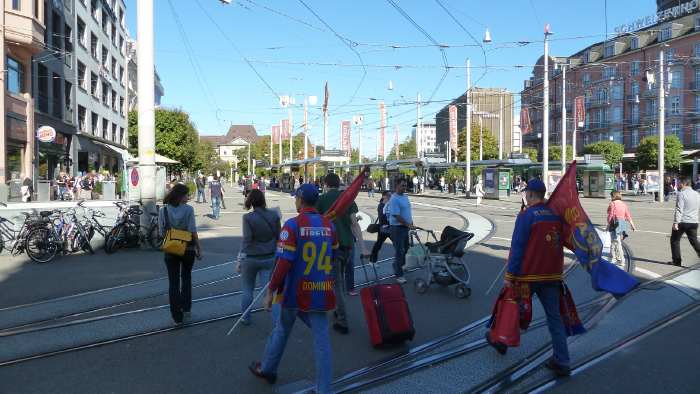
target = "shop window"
x: 15, y: 76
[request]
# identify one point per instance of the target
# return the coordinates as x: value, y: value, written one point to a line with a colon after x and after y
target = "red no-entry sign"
x: 134, y: 177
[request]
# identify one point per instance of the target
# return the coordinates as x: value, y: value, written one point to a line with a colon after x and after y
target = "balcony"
x: 23, y: 29
x: 653, y: 92
x: 599, y: 125
x: 598, y: 103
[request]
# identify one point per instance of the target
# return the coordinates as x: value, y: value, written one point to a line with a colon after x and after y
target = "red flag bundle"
x: 348, y: 196
x: 569, y: 315
x: 505, y: 321
x: 524, y: 297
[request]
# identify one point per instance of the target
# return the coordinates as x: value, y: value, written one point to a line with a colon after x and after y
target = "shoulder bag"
x: 374, y: 228
x: 175, y: 241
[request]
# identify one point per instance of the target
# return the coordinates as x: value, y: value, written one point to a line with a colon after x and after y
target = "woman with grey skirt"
x: 257, y: 256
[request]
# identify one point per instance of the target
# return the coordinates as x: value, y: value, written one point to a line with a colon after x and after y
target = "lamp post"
x: 545, y: 115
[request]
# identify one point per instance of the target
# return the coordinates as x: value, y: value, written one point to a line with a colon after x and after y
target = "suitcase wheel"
x: 462, y: 291
x: 420, y: 285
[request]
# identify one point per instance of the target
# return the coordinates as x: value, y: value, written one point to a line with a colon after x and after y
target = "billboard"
x: 285, y: 128
x: 275, y: 134
x: 345, y: 144
x: 453, y: 127
x: 580, y: 115
x: 525, y: 126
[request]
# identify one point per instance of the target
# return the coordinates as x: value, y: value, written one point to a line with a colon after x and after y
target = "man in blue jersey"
x: 302, y: 286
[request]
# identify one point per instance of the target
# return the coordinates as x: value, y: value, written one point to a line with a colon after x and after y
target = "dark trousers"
x: 381, y: 237
x: 399, y: 237
x: 180, y: 283
x: 691, y: 229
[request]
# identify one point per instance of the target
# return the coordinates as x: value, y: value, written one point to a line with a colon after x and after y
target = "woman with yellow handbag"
x: 180, y: 246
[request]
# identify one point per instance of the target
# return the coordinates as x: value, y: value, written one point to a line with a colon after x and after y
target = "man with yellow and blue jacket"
x: 302, y: 286
x: 537, y: 258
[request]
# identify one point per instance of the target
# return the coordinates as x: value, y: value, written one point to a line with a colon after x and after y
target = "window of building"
x: 697, y: 103
x: 617, y: 115
x: 610, y: 49
x: 115, y: 39
x: 105, y: 129
x: 665, y: 33
x: 43, y: 87
x: 15, y: 76
x: 696, y: 134
x: 122, y: 46
x: 121, y: 135
x: 114, y: 132
x: 634, y: 138
x: 676, y: 105
x: 634, y: 43
x: 676, y: 76
x: 68, y: 43
x: 57, y: 108
x: 94, y: 84
x: 17, y: 5
x: 114, y: 68
x: 121, y: 75
x: 114, y: 101
x: 634, y: 113
x: 68, y: 100
x: 56, y: 33
x: 609, y: 72
x: 105, y: 93
x: 634, y: 67
x: 94, y: 9
x: 651, y: 107
x: 697, y: 49
x: 82, y: 37
x: 617, y: 92
x: 670, y: 55
x: 93, y: 45
x: 95, y: 123
x: 82, y: 113
x: 105, y: 24
x: 81, y: 75
x: 121, y: 106
x: 105, y: 57
x: 635, y: 89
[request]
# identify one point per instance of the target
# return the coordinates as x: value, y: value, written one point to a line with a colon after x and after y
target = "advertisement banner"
x: 525, y: 121
x: 345, y: 144
x: 453, y: 127
x: 275, y: 134
x: 285, y: 128
x: 580, y: 111
x: 382, y: 130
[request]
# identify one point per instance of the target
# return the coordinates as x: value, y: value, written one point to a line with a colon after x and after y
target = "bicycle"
x: 45, y: 240
x: 128, y: 231
x: 17, y: 238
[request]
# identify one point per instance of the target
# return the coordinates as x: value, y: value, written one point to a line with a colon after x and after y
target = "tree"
x: 490, y: 145
x: 176, y: 137
x: 612, y: 151
x: 407, y: 150
x: 555, y: 153
x: 648, y: 152
x: 531, y: 153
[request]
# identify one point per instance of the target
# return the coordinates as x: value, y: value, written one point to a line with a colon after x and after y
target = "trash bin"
x: 43, y: 191
x: 108, y: 190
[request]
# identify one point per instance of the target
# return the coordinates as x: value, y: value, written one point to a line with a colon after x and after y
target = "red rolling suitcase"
x: 386, y: 311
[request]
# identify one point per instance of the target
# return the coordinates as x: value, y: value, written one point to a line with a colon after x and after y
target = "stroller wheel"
x: 462, y: 291
x: 420, y: 285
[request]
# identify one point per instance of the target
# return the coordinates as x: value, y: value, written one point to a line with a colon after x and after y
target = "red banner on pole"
x: 580, y: 111
x: 525, y: 126
x: 275, y: 134
x: 453, y: 127
x: 285, y: 128
x: 382, y: 130
x: 345, y: 144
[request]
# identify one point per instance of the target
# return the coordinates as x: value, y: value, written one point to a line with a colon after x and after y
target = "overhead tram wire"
x: 198, y: 72
x: 284, y: 15
x: 238, y: 51
x: 430, y: 38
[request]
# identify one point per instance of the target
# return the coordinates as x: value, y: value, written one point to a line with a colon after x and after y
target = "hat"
x: 307, y: 192
x: 535, y: 185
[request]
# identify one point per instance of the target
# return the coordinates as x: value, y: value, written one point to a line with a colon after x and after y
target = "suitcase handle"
x: 363, y: 259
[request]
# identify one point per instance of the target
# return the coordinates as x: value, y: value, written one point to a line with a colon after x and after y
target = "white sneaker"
x: 400, y: 279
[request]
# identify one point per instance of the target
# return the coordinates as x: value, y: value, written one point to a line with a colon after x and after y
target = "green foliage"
x: 489, y: 143
x: 192, y: 187
x: 611, y: 151
x: 176, y: 137
x: 454, y: 173
x: 555, y: 153
x: 407, y: 150
x: 98, y: 188
x: 531, y: 153
x: 648, y: 152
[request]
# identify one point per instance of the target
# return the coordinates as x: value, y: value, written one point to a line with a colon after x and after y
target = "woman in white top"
x: 479, y: 191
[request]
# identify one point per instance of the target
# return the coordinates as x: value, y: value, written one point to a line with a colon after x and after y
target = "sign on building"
x: 453, y: 127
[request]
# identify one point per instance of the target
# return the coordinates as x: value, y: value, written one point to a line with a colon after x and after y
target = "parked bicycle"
x: 15, y: 240
x: 128, y: 232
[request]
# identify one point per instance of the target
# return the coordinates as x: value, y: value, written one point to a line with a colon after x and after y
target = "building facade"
x: 491, y: 109
x: 100, y: 75
x: 618, y: 81
x: 232, y: 147
x: 23, y: 37
x: 132, y: 79
x: 428, y: 141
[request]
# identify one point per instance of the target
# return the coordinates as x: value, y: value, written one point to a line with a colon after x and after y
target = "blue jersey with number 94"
x: 308, y: 242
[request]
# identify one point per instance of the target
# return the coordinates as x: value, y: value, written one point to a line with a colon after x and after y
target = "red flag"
x: 326, y: 95
x: 348, y: 196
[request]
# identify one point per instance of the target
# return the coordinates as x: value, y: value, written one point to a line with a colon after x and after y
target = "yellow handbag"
x: 175, y: 241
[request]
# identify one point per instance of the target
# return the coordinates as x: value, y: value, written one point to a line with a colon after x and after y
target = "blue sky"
x: 277, y: 36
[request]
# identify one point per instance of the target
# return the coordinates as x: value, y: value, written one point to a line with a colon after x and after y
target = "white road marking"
x: 648, y: 273
x: 502, y: 239
x: 652, y: 232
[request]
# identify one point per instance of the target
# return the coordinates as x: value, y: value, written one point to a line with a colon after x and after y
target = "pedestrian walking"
x: 537, y: 258
x: 349, y: 233
x: 618, y: 218
x: 479, y: 192
x: 302, y: 286
x: 257, y: 256
x: 400, y: 222
x: 685, y: 221
x: 216, y: 194
x: 384, y: 229
x: 201, y: 184
x: 370, y: 188
x: 27, y: 190
x: 177, y: 214
x: 415, y: 184
x: 635, y: 186
x: 442, y: 184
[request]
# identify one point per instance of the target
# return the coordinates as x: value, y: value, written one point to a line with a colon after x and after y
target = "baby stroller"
x: 443, y: 260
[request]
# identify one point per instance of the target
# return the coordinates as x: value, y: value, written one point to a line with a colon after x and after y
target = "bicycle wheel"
x: 40, y: 245
x: 114, y: 239
x: 154, y: 238
x: 83, y: 239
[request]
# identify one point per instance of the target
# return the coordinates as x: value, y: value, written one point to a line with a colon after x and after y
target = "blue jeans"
x: 201, y: 197
x: 370, y: 193
x: 548, y: 293
x: 216, y: 206
x: 399, y: 237
x: 251, y: 268
x: 283, y: 320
